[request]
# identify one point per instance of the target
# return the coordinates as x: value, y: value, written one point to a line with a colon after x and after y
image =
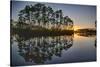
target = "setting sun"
x: 76, y: 28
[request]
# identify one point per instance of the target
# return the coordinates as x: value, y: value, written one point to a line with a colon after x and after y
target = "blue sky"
x: 83, y: 16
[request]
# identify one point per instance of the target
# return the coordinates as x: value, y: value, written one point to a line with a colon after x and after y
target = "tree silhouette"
x: 44, y: 16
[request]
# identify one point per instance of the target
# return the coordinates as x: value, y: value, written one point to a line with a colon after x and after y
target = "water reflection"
x: 38, y: 50
x: 85, y: 34
x: 89, y: 35
x: 49, y: 50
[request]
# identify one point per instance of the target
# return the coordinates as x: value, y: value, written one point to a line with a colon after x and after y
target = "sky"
x: 83, y: 16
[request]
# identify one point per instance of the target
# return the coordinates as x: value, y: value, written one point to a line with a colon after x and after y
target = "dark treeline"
x: 41, y: 32
x: 42, y: 17
x: 86, y: 32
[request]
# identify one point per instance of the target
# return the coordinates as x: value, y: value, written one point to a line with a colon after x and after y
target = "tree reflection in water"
x: 41, y: 49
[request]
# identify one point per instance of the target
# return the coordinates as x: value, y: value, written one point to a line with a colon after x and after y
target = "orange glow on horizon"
x: 76, y: 27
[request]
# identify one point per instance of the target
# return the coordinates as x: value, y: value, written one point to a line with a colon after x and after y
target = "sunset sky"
x: 84, y: 16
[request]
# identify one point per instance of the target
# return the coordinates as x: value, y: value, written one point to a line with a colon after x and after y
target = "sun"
x: 76, y: 28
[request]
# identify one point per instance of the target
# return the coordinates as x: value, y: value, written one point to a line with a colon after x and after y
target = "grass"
x: 39, y: 32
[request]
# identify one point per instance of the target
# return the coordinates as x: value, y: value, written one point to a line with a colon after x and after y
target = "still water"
x: 52, y: 50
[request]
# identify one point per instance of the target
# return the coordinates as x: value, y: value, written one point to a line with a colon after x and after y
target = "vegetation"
x: 41, y: 17
x: 44, y: 16
x: 86, y: 32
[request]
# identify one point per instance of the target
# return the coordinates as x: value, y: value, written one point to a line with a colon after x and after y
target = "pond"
x: 52, y: 50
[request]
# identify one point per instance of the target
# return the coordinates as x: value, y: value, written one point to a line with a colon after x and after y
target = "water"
x: 52, y: 50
